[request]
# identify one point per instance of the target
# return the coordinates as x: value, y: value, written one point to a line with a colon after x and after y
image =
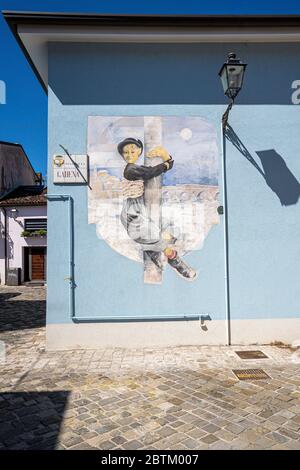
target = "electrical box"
x: 14, y: 277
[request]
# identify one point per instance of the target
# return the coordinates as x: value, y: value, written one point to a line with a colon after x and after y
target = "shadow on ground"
x: 20, y: 314
x: 31, y: 420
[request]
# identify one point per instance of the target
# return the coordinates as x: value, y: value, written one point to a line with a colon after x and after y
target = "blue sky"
x: 23, y: 118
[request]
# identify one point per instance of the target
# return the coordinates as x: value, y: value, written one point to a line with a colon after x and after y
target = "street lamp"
x: 232, y: 76
x: 14, y: 213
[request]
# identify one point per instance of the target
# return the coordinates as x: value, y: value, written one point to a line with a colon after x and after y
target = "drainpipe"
x: 70, y: 278
x: 226, y: 257
x: 132, y: 318
x: 5, y: 245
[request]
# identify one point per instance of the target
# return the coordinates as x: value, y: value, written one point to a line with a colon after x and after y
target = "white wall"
x: 2, y: 248
x: 15, y: 242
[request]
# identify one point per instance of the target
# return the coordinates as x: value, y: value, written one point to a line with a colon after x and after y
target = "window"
x: 31, y: 225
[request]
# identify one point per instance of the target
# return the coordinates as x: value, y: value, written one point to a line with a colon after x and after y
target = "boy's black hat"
x: 129, y: 140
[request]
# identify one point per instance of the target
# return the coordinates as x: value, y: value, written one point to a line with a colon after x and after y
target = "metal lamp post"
x: 232, y: 76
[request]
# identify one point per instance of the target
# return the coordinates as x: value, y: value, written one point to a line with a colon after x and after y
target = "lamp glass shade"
x: 235, y: 75
x: 224, y: 78
x: 232, y: 75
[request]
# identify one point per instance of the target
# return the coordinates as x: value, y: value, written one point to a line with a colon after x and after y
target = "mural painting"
x: 153, y: 192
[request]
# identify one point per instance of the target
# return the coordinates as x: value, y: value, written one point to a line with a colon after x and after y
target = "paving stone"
x: 271, y: 426
x: 196, y: 433
x: 286, y: 414
x: 191, y: 443
x: 291, y: 425
x: 19, y: 446
x: 279, y: 447
x: 177, y: 424
x: 166, y: 431
x: 175, y: 439
x: 211, y: 428
x: 150, y: 438
x: 296, y: 419
x: 234, y: 428
x: 246, y: 424
x: 288, y: 433
x: 186, y: 428
x: 163, y: 398
x: 239, y: 444
x: 221, y: 422
x: 265, y: 442
x: 73, y: 441
x: 278, y: 419
x: 106, y: 445
x: 220, y: 445
x: 118, y: 440
x: 209, y: 439
x: 225, y: 435
x: 82, y: 446
x: 293, y: 445
x: 251, y: 436
x: 277, y: 437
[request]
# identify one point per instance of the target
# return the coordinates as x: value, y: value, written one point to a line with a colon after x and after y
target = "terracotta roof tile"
x: 25, y: 196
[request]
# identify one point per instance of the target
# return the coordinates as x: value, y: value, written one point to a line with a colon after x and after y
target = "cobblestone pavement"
x: 173, y: 398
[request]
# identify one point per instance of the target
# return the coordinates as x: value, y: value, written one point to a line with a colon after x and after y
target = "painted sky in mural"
x: 173, y: 204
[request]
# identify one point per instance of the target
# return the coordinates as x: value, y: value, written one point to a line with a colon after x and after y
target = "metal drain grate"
x: 250, y: 374
x: 251, y: 354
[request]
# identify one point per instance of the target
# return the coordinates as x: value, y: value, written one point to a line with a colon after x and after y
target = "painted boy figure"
x: 134, y: 216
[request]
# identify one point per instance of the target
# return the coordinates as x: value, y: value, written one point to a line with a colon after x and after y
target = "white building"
x: 23, y: 222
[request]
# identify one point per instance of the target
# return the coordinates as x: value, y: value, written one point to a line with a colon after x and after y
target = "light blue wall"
x: 264, y: 216
x: 180, y: 80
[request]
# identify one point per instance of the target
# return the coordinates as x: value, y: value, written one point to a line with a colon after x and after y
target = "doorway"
x: 35, y: 264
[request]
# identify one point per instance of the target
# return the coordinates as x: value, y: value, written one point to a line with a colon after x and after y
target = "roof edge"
x: 16, y: 144
x: 42, y: 17
x: 16, y: 18
x: 8, y: 200
x: 12, y: 19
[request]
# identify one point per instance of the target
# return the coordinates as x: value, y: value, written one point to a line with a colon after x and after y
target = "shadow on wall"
x: 140, y: 74
x: 10, y: 247
x: 274, y: 170
x: 25, y: 415
x: 279, y: 178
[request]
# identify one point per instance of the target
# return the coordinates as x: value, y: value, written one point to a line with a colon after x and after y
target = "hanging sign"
x: 70, y: 169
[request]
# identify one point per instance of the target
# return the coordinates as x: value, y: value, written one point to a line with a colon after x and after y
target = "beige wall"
x: 170, y: 333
